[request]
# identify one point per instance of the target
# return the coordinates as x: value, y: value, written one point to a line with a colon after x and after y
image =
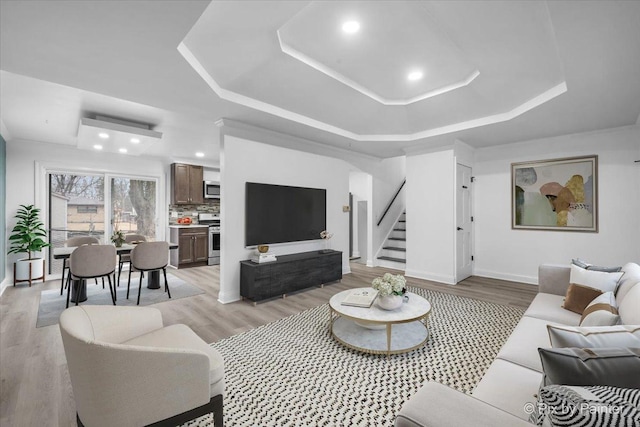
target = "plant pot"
x: 389, y: 302
x: 27, y: 270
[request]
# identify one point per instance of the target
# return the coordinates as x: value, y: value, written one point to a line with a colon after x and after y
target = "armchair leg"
x: 119, y: 270
x: 214, y: 405
x: 112, y: 291
x: 68, y: 287
x: 218, y: 420
x: 128, y: 282
x: 78, y: 420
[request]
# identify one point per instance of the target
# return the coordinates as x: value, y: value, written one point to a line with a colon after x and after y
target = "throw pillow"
x: 602, y: 311
x: 606, y: 282
x: 594, y: 337
x: 578, y: 297
x: 591, y: 366
x: 560, y: 405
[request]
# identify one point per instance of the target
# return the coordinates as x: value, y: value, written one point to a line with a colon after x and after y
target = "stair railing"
x: 391, y: 202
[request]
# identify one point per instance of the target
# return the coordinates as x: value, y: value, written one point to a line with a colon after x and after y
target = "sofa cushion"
x: 594, y: 336
x: 181, y: 336
x: 549, y: 307
x: 594, y: 279
x: 629, y: 308
x: 591, y: 366
x: 595, y: 406
x: 509, y: 386
x: 630, y: 276
x: 578, y: 297
x: 522, y: 346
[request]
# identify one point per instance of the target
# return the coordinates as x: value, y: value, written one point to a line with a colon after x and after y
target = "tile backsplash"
x: 191, y: 211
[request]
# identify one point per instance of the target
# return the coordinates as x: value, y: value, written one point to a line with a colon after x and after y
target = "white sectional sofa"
x: 514, y: 377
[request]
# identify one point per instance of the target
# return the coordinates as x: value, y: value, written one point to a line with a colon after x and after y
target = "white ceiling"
x: 494, y: 72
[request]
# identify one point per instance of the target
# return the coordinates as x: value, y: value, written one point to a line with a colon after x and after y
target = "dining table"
x: 79, y: 290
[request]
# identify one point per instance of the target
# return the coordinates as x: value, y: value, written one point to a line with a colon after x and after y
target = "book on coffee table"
x: 360, y: 298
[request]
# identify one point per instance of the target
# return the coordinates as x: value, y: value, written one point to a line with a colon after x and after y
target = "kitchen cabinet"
x: 186, y: 184
x: 193, y: 246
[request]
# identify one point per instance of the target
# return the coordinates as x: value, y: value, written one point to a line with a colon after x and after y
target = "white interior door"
x: 463, y: 223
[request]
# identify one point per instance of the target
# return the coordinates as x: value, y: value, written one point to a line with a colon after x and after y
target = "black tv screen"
x: 280, y: 214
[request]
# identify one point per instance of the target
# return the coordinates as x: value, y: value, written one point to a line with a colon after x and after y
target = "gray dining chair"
x: 91, y: 262
x: 72, y: 242
x: 149, y: 256
x: 126, y: 258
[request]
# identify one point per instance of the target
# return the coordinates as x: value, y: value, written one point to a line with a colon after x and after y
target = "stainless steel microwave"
x: 211, y: 190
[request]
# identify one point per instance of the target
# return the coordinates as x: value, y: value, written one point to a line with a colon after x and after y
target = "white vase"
x: 389, y: 302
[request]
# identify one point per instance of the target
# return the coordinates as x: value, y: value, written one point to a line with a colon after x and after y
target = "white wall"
x: 361, y: 186
x: 23, y: 156
x: 503, y: 253
x: 430, y: 198
x: 244, y: 160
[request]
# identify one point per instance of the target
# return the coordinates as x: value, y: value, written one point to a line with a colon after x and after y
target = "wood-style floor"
x: 35, y: 389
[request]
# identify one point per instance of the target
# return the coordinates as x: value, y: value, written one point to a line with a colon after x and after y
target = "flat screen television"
x: 280, y: 213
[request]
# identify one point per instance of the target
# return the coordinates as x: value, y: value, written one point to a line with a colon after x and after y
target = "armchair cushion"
x: 179, y: 337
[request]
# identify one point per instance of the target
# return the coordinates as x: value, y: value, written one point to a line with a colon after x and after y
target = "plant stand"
x: 30, y: 279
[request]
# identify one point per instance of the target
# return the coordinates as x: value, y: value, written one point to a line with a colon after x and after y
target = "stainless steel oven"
x: 213, y: 221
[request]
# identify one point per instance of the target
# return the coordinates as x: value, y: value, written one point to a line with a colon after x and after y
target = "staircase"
x: 394, y: 250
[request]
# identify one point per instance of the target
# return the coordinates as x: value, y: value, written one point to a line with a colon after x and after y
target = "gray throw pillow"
x: 594, y: 336
x: 583, y: 264
x: 617, y: 367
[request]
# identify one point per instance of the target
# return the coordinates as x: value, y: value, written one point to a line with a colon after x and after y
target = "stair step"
x: 395, y: 248
x: 390, y: 258
x: 402, y: 239
x: 402, y: 220
x: 399, y: 229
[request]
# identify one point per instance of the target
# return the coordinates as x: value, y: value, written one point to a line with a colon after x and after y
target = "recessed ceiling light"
x: 199, y: 154
x: 98, y: 147
x: 123, y: 150
x: 351, y: 27
x: 103, y: 135
x: 414, y: 75
x: 135, y: 140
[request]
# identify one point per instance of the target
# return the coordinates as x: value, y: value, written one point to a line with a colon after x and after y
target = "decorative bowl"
x: 263, y: 248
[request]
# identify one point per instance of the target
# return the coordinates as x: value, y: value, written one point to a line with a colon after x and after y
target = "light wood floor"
x: 35, y: 387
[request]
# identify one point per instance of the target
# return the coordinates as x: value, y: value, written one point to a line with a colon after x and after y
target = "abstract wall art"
x: 558, y: 194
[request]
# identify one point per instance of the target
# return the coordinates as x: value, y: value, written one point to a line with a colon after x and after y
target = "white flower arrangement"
x: 325, y: 235
x: 390, y: 284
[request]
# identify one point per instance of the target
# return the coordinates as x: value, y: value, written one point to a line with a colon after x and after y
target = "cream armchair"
x: 127, y: 369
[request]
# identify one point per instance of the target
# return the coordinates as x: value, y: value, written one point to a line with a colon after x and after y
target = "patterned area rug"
x: 293, y: 373
x: 52, y: 304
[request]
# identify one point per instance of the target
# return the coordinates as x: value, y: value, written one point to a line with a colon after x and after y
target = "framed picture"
x: 558, y: 194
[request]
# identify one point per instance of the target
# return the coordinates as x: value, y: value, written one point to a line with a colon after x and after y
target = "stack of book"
x: 259, y: 258
x: 360, y: 298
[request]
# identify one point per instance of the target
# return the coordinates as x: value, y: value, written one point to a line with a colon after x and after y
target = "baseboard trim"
x: 228, y: 299
x: 529, y: 280
x: 446, y: 279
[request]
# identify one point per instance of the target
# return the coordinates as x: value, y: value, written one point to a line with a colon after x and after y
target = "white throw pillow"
x: 594, y: 336
x: 606, y: 282
x: 602, y: 311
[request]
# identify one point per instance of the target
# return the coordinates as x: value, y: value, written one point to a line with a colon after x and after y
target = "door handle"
x: 459, y: 228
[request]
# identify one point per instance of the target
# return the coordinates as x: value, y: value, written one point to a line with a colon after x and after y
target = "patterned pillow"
x: 602, y: 311
x: 561, y: 405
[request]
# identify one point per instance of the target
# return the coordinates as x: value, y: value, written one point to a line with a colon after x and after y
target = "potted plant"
x: 117, y: 238
x: 391, y: 289
x: 28, y: 237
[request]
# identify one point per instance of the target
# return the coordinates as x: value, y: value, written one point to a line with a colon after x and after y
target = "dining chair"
x: 149, y: 256
x: 92, y: 261
x: 72, y: 242
x: 126, y: 258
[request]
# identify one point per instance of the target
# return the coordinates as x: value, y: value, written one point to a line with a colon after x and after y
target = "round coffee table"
x: 363, y: 329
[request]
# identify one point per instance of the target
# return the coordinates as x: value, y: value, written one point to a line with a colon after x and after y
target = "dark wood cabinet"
x: 186, y: 184
x: 193, y: 246
x: 289, y: 273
